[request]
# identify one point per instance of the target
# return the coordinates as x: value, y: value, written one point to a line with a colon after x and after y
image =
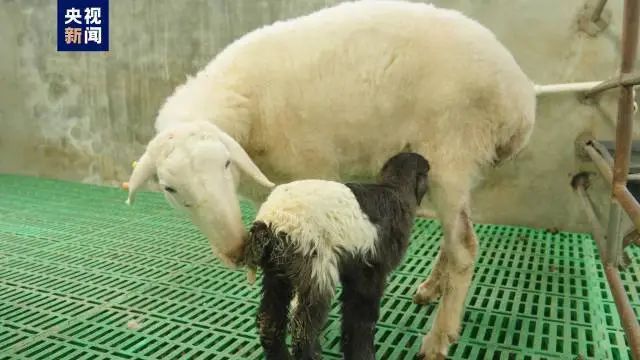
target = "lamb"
x: 310, y: 234
x: 332, y: 95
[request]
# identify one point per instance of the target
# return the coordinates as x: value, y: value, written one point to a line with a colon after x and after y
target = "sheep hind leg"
x: 459, y: 248
x: 309, y: 318
x: 362, y: 290
x: 273, y: 313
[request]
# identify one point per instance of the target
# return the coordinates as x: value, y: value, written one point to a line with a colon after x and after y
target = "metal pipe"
x: 624, y: 126
x: 602, y: 150
x: 622, y: 80
x: 629, y: 204
x: 624, y: 130
x: 613, y: 246
x: 625, y: 311
x: 621, y: 194
x: 597, y: 12
x: 601, y: 163
x: 624, y: 134
x: 629, y: 35
x: 606, y: 156
x: 598, y: 230
x: 565, y: 87
x: 621, y: 197
x: 589, y: 88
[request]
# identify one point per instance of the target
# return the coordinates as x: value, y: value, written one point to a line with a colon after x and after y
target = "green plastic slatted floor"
x: 83, y: 276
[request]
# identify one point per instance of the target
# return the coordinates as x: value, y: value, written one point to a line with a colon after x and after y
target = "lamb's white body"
x: 309, y: 235
x: 323, y: 217
x: 333, y: 94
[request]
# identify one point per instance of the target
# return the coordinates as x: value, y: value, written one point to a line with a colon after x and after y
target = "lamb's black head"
x: 408, y: 170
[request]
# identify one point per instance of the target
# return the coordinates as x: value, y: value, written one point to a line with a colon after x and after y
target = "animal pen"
x: 82, y: 276
x: 615, y: 172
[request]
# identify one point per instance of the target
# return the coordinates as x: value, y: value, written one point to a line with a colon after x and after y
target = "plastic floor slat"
x: 83, y: 276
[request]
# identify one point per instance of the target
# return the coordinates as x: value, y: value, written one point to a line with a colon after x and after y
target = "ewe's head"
x: 198, y: 167
x: 407, y: 170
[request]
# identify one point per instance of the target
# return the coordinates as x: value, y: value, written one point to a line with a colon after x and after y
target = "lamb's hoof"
x: 436, y: 346
x: 426, y: 294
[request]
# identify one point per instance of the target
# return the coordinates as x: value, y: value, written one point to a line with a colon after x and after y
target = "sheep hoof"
x: 421, y: 356
x: 435, y: 346
x: 251, y: 276
x: 427, y: 294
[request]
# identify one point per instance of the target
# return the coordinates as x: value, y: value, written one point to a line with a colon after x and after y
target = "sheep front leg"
x: 459, y: 250
x: 309, y: 318
x: 273, y: 313
x: 362, y: 291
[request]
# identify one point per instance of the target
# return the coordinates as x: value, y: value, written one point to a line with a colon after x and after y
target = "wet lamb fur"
x: 390, y: 204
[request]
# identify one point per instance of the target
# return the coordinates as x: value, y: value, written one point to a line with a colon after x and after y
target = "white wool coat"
x: 322, y: 217
x: 333, y: 94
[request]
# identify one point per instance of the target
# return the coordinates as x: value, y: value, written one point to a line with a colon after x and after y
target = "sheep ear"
x: 145, y: 168
x: 421, y: 187
x: 242, y: 159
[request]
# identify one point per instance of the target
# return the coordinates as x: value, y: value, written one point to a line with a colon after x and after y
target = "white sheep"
x: 311, y: 234
x: 333, y: 94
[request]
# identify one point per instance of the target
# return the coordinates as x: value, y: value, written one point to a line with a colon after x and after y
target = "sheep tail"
x: 260, y: 248
x: 256, y: 249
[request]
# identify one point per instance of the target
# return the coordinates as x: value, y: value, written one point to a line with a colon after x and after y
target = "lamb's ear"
x: 244, y: 162
x: 144, y: 169
x: 421, y: 186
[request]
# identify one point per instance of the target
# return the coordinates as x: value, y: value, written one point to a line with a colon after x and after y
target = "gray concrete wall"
x: 85, y: 116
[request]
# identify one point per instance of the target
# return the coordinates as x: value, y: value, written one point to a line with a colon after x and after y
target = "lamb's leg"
x: 362, y: 290
x: 272, y: 316
x: 309, y: 318
x: 459, y: 248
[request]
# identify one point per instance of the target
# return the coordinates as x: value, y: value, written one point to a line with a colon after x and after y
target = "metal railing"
x: 615, y: 171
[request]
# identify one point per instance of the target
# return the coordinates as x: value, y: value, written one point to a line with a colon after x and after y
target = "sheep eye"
x: 226, y: 165
x: 170, y: 189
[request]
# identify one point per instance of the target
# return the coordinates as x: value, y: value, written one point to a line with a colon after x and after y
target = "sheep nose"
x: 236, y: 255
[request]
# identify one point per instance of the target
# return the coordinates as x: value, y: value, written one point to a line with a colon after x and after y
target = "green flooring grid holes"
x: 83, y: 276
